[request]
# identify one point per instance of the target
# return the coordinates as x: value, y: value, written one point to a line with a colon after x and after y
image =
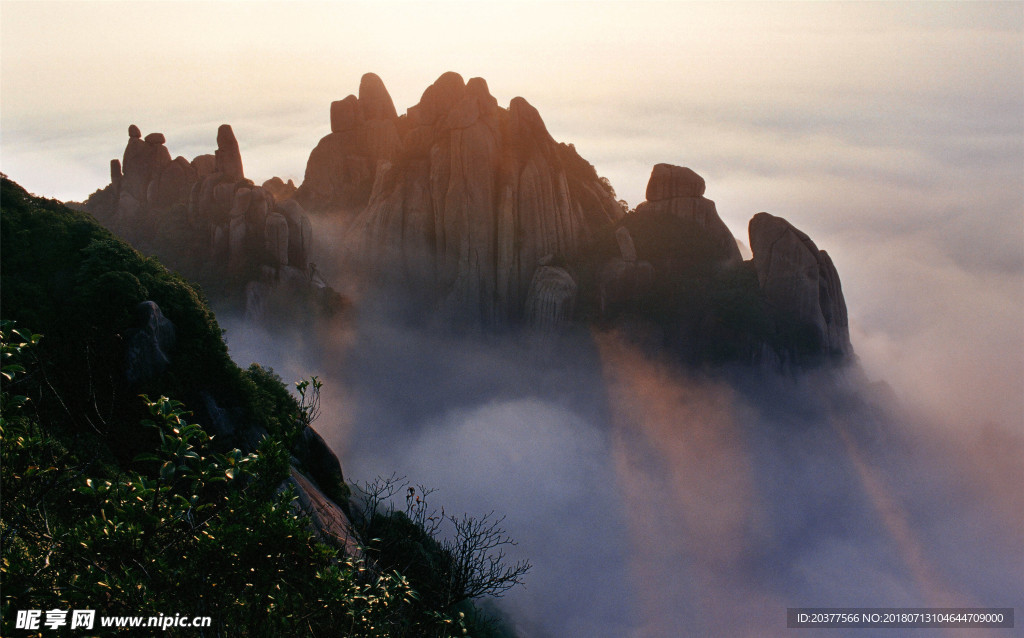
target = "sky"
x: 892, y: 133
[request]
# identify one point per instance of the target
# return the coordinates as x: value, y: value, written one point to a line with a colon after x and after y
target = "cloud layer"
x: 656, y: 502
x: 893, y: 134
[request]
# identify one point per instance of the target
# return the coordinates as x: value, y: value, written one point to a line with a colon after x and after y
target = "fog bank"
x: 658, y: 502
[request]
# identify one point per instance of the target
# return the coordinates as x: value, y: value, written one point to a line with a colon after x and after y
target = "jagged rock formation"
x: 148, y: 344
x: 340, y: 172
x: 206, y: 219
x: 674, y: 266
x: 327, y: 519
x: 676, y: 191
x: 476, y: 210
x: 800, y: 284
x: 478, y: 206
x: 458, y: 195
x: 146, y: 177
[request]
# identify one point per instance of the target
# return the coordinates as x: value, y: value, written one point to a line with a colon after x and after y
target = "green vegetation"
x: 73, y: 281
x: 181, y: 529
x: 124, y: 504
x: 465, y: 564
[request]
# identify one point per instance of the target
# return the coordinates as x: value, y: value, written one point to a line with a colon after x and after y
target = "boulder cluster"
x: 478, y: 212
x: 673, y: 261
x: 458, y: 196
x: 147, y: 178
x: 799, y: 282
x: 204, y: 215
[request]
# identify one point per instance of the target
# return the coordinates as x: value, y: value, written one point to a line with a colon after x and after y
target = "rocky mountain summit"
x: 479, y: 216
x: 477, y: 209
x: 458, y: 196
x: 206, y: 219
x: 671, y: 273
x: 799, y: 282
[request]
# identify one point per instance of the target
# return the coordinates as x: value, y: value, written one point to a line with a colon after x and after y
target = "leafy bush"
x: 131, y: 508
x: 183, y: 529
x: 73, y: 281
x: 450, y: 560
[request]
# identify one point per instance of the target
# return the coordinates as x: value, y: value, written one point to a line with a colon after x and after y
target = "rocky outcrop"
x: 317, y: 458
x: 143, y: 163
x: 672, y: 271
x: 327, y: 519
x: 149, y: 344
x: 228, y: 156
x: 340, y: 171
x: 374, y: 100
x: 203, y: 216
x: 458, y: 196
x: 678, y: 192
x: 676, y: 235
x: 800, y: 285
x: 551, y: 300
x: 669, y: 182
x: 477, y: 203
x: 146, y: 180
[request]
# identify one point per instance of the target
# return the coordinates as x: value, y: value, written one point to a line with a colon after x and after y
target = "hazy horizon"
x: 891, y: 133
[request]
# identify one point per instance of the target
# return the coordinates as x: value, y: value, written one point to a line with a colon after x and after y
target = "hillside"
x: 228, y: 506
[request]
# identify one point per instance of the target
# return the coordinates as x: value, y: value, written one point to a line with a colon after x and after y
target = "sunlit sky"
x: 893, y: 133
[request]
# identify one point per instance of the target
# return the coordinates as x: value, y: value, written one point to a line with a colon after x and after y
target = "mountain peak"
x: 229, y: 158
x: 668, y: 181
x: 483, y: 216
x: 438, y: 98
x: 374, y: 99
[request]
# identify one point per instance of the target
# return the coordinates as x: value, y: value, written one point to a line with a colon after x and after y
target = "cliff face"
x: 678, y: 192
x: 673, y: 266
x: 800, y: 284
x: 205, y: 218
x: 476, y: 211
x: 458, y: 195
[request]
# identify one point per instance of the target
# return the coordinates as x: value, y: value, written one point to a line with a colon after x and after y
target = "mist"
x: 657, y: 501
x: 653, y: 501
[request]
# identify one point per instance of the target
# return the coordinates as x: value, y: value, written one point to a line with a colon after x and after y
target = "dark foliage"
x: 450, y: 561
x: 128, y: 507
x: 75, y: 282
